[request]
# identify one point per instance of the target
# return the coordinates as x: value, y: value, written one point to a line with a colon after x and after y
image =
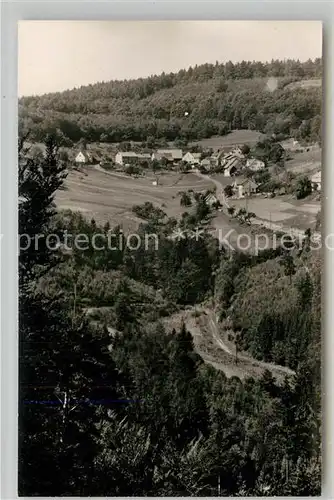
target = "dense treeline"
x: 273, y: 305
x: 217, y: 98
x: 117, y: 405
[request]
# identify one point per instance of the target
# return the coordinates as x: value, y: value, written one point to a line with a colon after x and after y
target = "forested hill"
x: 114, y: 399
x: 216, y: 97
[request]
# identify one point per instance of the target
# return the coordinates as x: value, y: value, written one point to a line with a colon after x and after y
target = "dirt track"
x: 202, y: 324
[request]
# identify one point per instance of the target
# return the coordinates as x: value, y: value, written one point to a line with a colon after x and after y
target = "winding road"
x: 205, y: 330
x: 224, y: 358
x: 219, y: 188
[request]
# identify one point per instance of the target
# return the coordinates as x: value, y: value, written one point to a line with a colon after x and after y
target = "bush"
x: 148, y: 210
x: 228, y: 190
x: 303, y: 188
x: 132, y: 170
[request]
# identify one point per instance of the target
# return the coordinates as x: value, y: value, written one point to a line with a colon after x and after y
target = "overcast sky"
x: 58, y: 55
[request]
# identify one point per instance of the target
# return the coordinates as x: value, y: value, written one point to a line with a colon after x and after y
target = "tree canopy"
x: 216, y: 97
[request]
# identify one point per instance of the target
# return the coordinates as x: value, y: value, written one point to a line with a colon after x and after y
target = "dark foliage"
x: 217, y: 98
x: 132, y: 410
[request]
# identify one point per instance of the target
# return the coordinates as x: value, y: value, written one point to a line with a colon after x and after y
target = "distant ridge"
x: 193, y: 104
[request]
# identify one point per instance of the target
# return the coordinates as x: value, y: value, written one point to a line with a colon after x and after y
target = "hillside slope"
x: 192, y: 104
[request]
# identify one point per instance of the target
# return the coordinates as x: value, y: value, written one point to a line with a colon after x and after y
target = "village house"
x: 192, y: 158
x: 206, y: 163
x: 159, y: 157
x: 231, y: 164
x: 217, y: 157
x: 83, y: 157
x: 244, y: 187
x: 255, y: 165
x: 316, y: 181
x: 171, y: 155
x: 211, y: 199
x: 130, y: 157
x: 225, y: 153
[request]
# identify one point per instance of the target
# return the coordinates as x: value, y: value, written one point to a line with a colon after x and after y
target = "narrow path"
x: 218, y: 340
x: 212, y: 347
x: 243, y: 357
x: 225, y: 361
x: 219, y: 188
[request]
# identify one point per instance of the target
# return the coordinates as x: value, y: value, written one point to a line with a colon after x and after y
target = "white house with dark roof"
x: 83, y: 157
x: 211, y: 199
x: 192, y: 158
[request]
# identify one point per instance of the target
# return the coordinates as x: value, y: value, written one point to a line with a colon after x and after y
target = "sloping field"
x: 235, y: 137
x: 305, y: 84
x: 306, y: 162
x: 110, y: 197
x: 290, y: 213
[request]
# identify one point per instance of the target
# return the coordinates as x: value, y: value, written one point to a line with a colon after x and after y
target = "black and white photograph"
x: 170, y: 258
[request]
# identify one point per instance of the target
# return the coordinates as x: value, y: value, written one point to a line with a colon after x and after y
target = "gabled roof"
x: 219, y: 154
x: 166, y: 156
x: 176, y: 154
x: 128, y: 154
x: 230, y: 156
x: 85, y: 154
x: 132, y: 154
x: 241, y: 181
x: 194, y: 155
x: 232, y: 161
x: 211, y: 197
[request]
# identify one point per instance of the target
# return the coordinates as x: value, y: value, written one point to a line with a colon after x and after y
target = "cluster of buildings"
x: 171, y: 156
x: 243, y: 186
x: 231, y: 161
